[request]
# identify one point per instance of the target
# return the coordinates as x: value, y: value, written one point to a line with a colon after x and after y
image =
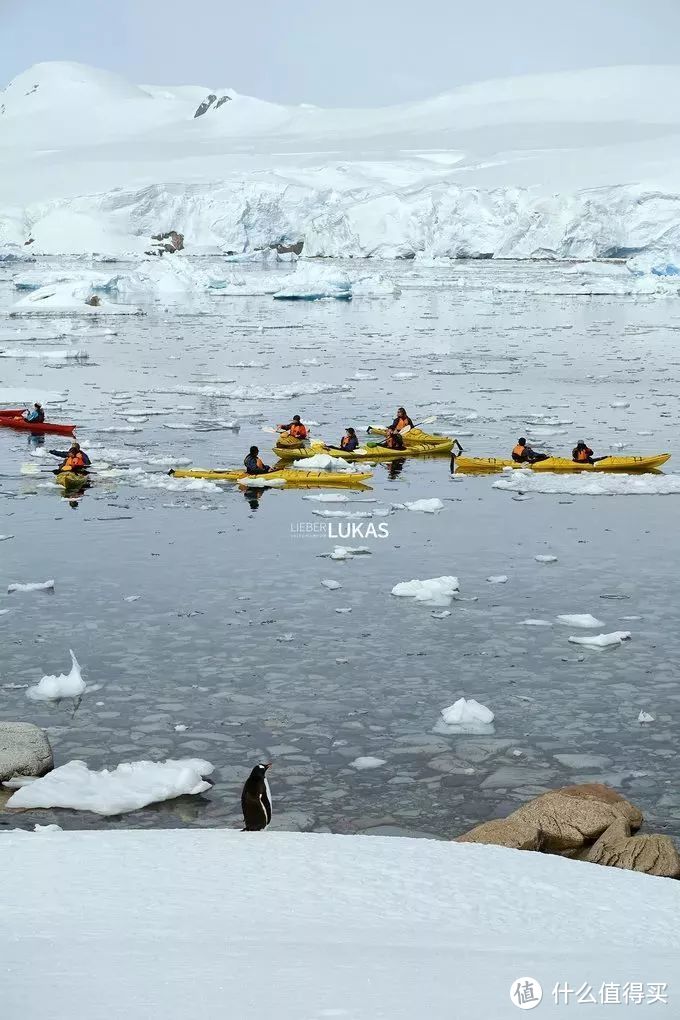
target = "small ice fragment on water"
x: 346, y: 552
x: 465, y: 716
x: 645, y: 717
x: 31, y: 586
x: 584, y: 620
x: 52, y: 827
x: 285, y: 637
x: 348, y: 609
x: 5, y: 538
x: 3, y: 612
x: 545, y: 559
x: 612, y: 640
x: 131, y: 598
x: 535, y: 623
x: 441, y: 616
x: 341, y: 662
x: 328, y: 497
x: 433, y: 591
x: 52, y: 688
x: 619, y: 403
x: 330, y: 584
x: 180, y: 728
x: 497, y: 579
x: 367, y: 763
x: 425, y: 506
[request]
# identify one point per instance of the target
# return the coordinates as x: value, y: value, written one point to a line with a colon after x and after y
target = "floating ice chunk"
x: 584, y: 620
x: 330, y: 584
x: 328, y: 497
x: 433, y: 591
x: 465, y: 717
x: 352, y: 515
x: 286, y: 637
x: 180, y: 728
x: 425, y: 506
x: 595, y: 484
x: 52, y: 688
x: 612, y: 640
x: 347, y: 552
x: 645, y: 717
x: 131, y: 598
x: 132, y: 785
x: 68, y: 298
x: 399, y: 376
x: 619, y: 403
x: 31, y: 586
x: 53, y: 827
x: 441, y: 616
x: 535, y: 623
x: 64, y: 355
x: 5, y: 538
x: 545, y: 558
x: 348, y: 609
x: 375, y: 286
x: 310, y: 283
x: 367, y: 762
x: 497, y: 579
x: 324, y: 462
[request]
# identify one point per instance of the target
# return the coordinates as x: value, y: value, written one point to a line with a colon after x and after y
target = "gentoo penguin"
x: 256, y: 799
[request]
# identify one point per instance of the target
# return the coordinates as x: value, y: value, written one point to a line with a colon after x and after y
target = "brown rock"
x: 653, y: 855
x: 504, y: 832
x: 569, y: 819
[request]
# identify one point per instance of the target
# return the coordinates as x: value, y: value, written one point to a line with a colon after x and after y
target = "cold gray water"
x: 233, y: 635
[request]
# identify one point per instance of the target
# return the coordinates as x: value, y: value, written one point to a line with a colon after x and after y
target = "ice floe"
x: 348, y: 552
x: 433, y: 591
x: 71, y: 299
x: 612, y: 640
x: 545, y: 558
x: 330, y: 584
x: 465, y: 716
x: 367, y: 762
x: 535, y: 623
x: 52, y: 688
x: 645, y: 717
x: 584, y: 620
x: 130, y: 786
x: 497, y: 579
x: 31, y: 586
x: 594, y: 484
x: 324, y: 462
x: 425, y: 506
x: 311, y: 283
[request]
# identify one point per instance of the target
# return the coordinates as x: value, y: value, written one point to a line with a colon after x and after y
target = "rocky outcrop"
x: 617, y: 848
x: 590, y: 822
x: 211, y: 100
x: 24, y: 750
x: 169, y: 242
x: 290, y: 249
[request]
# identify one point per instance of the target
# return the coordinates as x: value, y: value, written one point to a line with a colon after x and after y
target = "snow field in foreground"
x: 316, y: 926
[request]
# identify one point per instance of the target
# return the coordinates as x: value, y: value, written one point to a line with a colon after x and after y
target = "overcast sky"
x: 353, y: 53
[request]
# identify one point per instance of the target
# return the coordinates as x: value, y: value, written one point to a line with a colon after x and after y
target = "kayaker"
x: 402, y: 420
x: 523, y: 454
x: 393, y: 440
x: 36, y: 415
x: 582, y: 454
x: 348, y: 443
x: 74, y: 459
x: 295, y: 428
x: 254, y: 465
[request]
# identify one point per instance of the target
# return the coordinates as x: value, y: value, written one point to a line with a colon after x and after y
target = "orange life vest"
x: 519, y: 451
x: 73, y: 462
x: 582, y: 456
x: 297, y: 430
x: 401, y: 423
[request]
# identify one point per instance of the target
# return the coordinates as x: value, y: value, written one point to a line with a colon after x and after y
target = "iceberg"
x: 465, y: 716
x: 434, y: 591
x: 52, y: 688
x: 311, y: 283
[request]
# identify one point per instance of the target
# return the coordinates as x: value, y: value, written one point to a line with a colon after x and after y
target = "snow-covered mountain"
x: 580, y: 164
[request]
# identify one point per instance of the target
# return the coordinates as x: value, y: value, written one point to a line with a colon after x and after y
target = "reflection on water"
x: 234, y: 636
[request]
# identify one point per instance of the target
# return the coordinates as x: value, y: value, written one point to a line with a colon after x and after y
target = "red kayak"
x: 34, y: 426
x: 16, y: 413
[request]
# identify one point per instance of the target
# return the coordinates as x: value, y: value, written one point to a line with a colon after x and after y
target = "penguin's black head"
x: 260, y: 771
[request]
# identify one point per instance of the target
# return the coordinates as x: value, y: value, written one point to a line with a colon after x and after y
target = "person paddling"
x: 402, y: 420
x: 523, y: 454
x: 582, y: 454
x: 348, y: 443
x: 36, y: 415
x: 74, y: 459
x: 295, y: 428
x: 393, y: 440
x: 253, y: 464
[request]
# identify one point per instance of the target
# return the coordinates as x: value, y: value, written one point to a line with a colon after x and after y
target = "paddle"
x: 425, y: 421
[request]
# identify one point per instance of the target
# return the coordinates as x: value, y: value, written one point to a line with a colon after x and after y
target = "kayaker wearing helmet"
x: 348, y: 443
x: 36, y: 415
x: 295, y: 429
x: 523, y: 454
x: 402, y: 420
x: 75, y: 459
x: 582, y: 454
x: 393, y: 440
x: 253, y: 464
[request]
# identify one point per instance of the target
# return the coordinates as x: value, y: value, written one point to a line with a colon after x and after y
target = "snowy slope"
x: 581, y: 163
x: 256, y: 926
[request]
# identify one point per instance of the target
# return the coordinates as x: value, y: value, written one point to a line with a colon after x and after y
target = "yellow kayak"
x: 366, y: 453
x: 290, y: 476
x: 71, y: 479
x: 417, y: 437
x: 650, y: 462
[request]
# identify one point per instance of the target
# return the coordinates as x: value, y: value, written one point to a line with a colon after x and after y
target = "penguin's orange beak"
x: 268, y: 765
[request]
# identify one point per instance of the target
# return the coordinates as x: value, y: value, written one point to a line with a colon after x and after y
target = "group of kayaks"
x: 416, y: 443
